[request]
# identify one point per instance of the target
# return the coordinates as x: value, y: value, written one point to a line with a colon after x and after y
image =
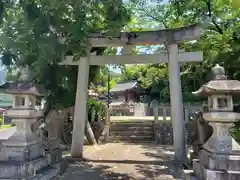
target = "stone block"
x: 22, y: 153
x: 54, y: 156
x: 189, y: 175
x: 16, y: 169
x: 220, y: 161
x: 61, y: 166
x: 197, y: 168
x: 221, y: 175
x: 47, y: 174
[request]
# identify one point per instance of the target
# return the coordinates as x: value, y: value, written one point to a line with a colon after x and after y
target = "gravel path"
x: 125, y: 161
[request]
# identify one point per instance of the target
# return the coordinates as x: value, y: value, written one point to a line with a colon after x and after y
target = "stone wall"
x: 163, y: 132
x: 191, y: 107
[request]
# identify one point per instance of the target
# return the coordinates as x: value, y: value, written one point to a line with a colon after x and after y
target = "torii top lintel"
x: 165, y: 36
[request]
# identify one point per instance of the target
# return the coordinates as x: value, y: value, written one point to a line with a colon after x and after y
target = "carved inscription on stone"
x: 14, y: 154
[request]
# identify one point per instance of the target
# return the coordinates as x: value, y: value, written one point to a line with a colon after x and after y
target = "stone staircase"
x: 131, y: 131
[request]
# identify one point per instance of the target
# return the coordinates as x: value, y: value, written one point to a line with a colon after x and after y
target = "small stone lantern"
x: 220, y: 157
x: 23, y: 145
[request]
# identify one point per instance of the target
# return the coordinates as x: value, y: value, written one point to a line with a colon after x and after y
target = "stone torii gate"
x: 170, y: 38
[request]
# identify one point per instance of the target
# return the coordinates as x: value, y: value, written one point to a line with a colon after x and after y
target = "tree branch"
x: 153, y: 17
x: 217, y: 26
x: 209, y: 8
x: 208, y: 2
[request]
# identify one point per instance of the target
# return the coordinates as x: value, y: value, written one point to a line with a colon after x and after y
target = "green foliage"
x: 220, y: 42
x: 39, y: 33
x: 96, y: 108
x: 235, y: 132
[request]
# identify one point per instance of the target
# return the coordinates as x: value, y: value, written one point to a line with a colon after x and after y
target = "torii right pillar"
x: 177, y: 115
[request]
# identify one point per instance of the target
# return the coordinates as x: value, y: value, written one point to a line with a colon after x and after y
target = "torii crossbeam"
x: 170, y: 38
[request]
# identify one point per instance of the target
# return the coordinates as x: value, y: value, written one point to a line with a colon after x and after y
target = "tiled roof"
x: 123, y: 86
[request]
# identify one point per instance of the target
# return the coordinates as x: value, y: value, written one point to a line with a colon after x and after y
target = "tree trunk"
x: 89, y: 134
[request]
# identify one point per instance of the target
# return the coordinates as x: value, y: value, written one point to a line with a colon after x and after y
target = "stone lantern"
x: 220, y: 157
x: 23, y: 154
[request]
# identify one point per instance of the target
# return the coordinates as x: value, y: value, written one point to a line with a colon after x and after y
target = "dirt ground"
x: 115, y: 161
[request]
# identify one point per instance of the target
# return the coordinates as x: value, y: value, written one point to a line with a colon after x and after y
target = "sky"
x: 141, y: 50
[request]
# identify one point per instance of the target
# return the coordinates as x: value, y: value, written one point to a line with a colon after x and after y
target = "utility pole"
x: 108, y: 86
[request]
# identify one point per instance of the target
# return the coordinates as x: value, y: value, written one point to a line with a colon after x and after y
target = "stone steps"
x: 131, y: 128
x: 131, y: 131
x: 133, y: 122
x: 130, y: 139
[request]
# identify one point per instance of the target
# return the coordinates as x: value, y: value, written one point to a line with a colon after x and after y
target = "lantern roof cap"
x: 24, y: 85
x: 219, y: 85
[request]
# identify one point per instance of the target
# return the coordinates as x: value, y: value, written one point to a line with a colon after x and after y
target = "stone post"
x: 155, y: 113
x: 164, y: 113
x: 177, y: 116
x: 107, y: 122
x: 80, y: 112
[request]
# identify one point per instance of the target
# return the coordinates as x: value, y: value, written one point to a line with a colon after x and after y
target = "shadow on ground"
x: 151, y: 162
x: 166, y: 152
x: 85, y: 171
x: 146, y: 169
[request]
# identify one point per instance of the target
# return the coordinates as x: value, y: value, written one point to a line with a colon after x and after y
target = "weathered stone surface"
x: 163, y: 132
x: 22, y: 169
x: 220, y: 156
x: 54, y: 157
x: 44, y: 168
x: 22, y: 153
x: 188, y: 175
x: 221, y: 140
x: 220, y: 161
x: 47, y: 174
x: 197, y: 168
x: 220, y: 175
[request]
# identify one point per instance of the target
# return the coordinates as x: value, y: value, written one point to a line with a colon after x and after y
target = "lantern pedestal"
x: 220, y: 157
x: 23, y: 155
x: 23, y: 145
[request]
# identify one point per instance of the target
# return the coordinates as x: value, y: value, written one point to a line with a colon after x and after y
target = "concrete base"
x: 220, y: 161
x: 221, y: 175
x: 43, y: 168
x: 21, y: 153
x: 197, y: 168
x: 22, y: 146
x: 22, y: 169
x: 202, y: 173
x: 189, y: 175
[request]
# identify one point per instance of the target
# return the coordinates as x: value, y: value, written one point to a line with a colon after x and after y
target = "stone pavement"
x: 117, y: 161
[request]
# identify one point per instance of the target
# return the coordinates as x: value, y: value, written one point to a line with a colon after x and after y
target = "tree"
x: 220, y: 43
x: 38, y: 33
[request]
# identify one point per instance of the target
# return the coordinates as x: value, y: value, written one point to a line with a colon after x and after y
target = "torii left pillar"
x: 80, y: 112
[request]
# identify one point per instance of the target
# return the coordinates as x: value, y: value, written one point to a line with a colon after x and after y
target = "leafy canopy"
x: 39, y: 33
